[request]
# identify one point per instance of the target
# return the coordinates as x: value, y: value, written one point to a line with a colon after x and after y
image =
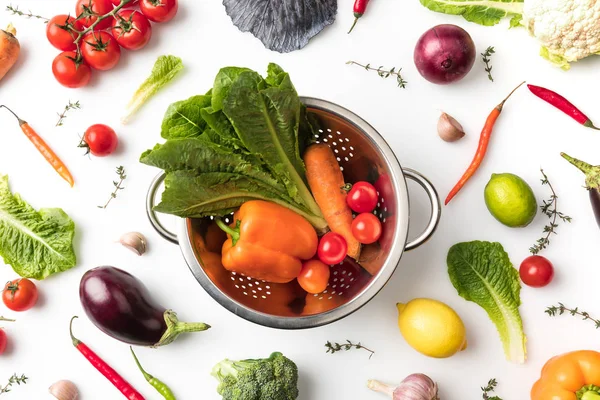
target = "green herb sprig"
x: 491, y: 386
x: 117, y: 184
x: 384, y: 73
x: 15, y: 379
x: 549, y: 208
x: 68, y: 107
x: 486, y: 56
x: 6, y: 319
x: 561, y: 309
x: 29, y: 14
x: 335, y: 347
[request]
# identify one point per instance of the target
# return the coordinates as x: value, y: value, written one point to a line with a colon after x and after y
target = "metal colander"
x: 363, y: 155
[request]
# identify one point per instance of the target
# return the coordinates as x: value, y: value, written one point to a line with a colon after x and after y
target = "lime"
x: 431, y: 327
x: 510, y: 200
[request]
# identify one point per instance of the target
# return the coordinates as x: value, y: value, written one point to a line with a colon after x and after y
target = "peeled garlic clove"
x: 64, y: 390
x: 449, y: 129
x: 135, y: 242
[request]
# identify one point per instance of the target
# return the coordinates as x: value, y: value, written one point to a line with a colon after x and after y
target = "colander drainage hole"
x: 339, y: 133
x: 325, y: 140
x: 351, y: 148
x: 259, y: 288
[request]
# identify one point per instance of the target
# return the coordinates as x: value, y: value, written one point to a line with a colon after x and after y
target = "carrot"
x: 484, y: 140
x: 326, y: 183
x: 44, y: 149
x: 9, y: 49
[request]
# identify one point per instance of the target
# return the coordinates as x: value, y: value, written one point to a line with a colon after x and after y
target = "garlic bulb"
x: 449, y: 129
x: 413, y: 387
x: 64, y: 390
x: 135, y: 242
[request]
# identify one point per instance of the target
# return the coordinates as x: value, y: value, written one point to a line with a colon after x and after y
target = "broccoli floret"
x: 273, y: 378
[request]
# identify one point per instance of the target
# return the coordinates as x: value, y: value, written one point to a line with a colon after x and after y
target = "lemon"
x: 432, y: 328
x: 510, y: 200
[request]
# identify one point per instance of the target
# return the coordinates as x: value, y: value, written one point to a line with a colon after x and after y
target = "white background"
x: 528, y: 135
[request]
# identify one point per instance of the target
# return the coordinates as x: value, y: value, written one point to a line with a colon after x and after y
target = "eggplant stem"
x: 592, y: 172
x: 175, y: 328
x: 380, y: 387
x: 581, y: 165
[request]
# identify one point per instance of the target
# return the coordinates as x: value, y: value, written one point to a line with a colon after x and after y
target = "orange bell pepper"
x: 267, y: 241
x: 571, y: 376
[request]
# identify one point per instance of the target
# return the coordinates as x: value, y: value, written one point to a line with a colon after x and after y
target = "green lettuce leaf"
x: 222, y: 84
x: 36, y: 244
x: 482, y: 12
x: 555, y: 59
x: 481, y: 272
x: 164, y: 70
x: 183, y: 118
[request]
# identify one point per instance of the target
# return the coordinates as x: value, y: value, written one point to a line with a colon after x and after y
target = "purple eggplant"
x: 592, y: 182
x: 120, y: 305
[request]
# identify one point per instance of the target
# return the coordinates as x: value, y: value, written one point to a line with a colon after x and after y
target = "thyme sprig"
x: 28, y: 14
x: 14, y: 379
x: 491, y: 386
x: 6, y: 319
x: 486, y: 56
x: 335, y: 347
x: 68, y: 107
x: 561, y: 309
x: 549, y: 208
x: 384, y: 73
x: 117, y: 184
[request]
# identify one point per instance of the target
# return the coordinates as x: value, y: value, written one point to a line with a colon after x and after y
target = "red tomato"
x: 92, y: 9
x: 366, y: 228
x: 332, y: 248
x: 536, y: 271
x: 20, y: 295
x: 362, y: 198
x: 100, y: 50
x: 58, y: 33
x: 159, y: 10
x: 3, y: 341
x: 100, y: 140
x: 314, y: 276
x: 69, y: 71
x: 132, y: 3
x: 131, y: 29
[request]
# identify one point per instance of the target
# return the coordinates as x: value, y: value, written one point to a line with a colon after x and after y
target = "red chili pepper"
x: 104, y: 368
x: 360, y: 6
x: 562, y: 104
x: 484, y: 140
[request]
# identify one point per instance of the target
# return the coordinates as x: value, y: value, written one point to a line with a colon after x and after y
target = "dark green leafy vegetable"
x: 243, y: 144
x: 36, y: 244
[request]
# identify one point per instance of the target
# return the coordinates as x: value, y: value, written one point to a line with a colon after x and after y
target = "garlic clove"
x: 449, y: 129
x: 135, y: 242
x: 64, y: 390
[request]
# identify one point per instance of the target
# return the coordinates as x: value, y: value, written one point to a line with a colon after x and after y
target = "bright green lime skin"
x: 510, y: 200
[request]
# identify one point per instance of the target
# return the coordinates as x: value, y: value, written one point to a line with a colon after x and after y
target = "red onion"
x: 444, y: 54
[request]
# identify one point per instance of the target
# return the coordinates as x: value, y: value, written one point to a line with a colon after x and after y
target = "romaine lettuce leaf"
x: 482, y: 12
x: 183, y: 118
x: 36, y: 244
x: 481, y: 272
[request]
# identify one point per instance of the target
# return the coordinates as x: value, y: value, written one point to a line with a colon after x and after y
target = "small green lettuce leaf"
x: 516, y: 21
x: 555, y: 59
x: 183, y: 118
x: 36, y: 244
x: 482, y: 12
x: 164, y: 70
x: 481, y: 272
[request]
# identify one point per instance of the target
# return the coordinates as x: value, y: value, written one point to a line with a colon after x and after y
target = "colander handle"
x: 156, y: 224
x: 436, y: 208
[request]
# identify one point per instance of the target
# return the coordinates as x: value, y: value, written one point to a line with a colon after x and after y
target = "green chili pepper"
x: 160, y: 387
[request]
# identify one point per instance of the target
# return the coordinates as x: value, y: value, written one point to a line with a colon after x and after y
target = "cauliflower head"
x: 568, y: 30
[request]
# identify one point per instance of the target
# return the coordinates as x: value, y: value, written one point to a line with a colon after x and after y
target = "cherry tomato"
x: 362, y: 198
x: 536, y: 271
x: 332, y: 248
x: 58, y: 33
x: 100, y: 50
x: 93, y: 9
x: 132, y: 3
x: 20, y: 295
x: 314, y: 276
x: 366, y: 228
x: 159, y: 10
x: 69, y: 71
x: 100, y: 140
x: 131, y: 29
x: 3, y: 341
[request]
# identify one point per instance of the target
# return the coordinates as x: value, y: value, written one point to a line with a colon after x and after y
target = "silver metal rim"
x: 436, y: 208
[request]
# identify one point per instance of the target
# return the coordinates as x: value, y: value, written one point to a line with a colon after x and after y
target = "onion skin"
x: 444, y: 54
